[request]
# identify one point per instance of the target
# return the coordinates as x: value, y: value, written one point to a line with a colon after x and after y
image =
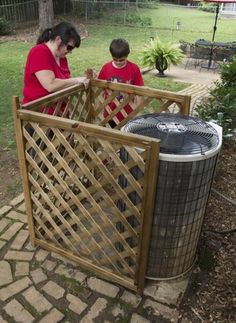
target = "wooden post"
x: 148, y: 209
x: 186, y: 105
x: 90, y: 75
x: 23, y: 166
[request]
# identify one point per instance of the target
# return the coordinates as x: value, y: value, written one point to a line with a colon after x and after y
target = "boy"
x: 120, y: 70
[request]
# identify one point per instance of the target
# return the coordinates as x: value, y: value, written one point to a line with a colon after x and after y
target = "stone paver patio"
x: 40, y: 286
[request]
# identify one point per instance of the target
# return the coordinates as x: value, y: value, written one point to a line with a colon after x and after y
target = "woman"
x: 46, y: 68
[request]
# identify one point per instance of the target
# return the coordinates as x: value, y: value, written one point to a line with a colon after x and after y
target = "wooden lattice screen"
x: 141, y: 99
x: 89, y: 190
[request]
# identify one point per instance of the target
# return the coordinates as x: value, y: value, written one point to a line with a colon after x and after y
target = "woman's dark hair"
x: 65, y: 30
x: 119, y: 48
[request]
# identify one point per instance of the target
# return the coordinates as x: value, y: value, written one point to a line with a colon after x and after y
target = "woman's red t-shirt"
x: 40, y: 58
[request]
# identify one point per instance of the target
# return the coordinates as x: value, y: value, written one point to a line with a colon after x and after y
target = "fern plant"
x: 161, y: 55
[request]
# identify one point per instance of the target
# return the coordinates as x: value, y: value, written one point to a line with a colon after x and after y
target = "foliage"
x: 5, y: 27
x: 207, y: 7
x: 161, y: 55
x: 149, y: 5
x: 220, y: 107
x: 61, y: 7
x: 228, y: 74
x: 134, y: 19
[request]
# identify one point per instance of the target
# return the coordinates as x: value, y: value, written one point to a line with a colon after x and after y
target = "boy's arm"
x: 101, y: 74
x: 138, y: 81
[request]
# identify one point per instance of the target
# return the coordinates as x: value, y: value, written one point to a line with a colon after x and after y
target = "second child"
x: 120, y: 70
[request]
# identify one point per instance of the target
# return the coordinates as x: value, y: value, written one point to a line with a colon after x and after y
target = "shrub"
x: 134, y: 19
x: 221, y: 105
x: 207, y: 7
x: 5, y: 27
x: 151, y: 5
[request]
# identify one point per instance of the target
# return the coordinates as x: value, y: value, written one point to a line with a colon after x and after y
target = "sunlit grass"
x: 94, y: 52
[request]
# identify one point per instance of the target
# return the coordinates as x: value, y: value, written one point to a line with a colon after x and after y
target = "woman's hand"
x: 90, y: 73
x: 83, y: 80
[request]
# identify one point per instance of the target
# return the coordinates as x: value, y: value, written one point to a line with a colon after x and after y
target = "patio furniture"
x: 196, y: 54
x: 191, y: 54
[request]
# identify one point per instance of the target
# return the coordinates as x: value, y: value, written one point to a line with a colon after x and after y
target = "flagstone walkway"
x: 198, y: 92
x: 41, y: 286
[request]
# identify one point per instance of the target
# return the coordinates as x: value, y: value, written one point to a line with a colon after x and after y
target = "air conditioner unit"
x: 188, y: 153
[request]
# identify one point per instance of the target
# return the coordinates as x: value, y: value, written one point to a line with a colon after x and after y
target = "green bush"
x: 147, y: 5
x: 5, y: 27
x: 207, y: 7
x: 134, y: 19
x: 221, y: 105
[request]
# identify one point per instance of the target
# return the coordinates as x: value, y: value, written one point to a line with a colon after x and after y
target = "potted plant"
x: 161, y: 55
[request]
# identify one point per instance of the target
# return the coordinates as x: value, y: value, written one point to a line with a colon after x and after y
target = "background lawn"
x: 94, y: 52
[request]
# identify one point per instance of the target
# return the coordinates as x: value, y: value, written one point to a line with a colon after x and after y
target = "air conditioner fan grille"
x: 181, y: 135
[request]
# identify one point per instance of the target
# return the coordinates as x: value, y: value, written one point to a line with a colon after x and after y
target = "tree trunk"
x: 46, y: 14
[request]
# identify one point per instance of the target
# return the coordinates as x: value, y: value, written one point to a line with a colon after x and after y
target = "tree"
x: 46, y: 14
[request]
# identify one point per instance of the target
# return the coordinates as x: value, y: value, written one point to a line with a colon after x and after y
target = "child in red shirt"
x: 120, y: 70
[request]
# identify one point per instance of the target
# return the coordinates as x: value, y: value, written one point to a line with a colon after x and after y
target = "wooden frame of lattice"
x: 89, y: 190
x: 140, y: 99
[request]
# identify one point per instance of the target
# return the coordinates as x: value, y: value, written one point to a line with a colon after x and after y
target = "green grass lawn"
x: 195, y: 24
x: 94, y: 52
x: 12, y: 60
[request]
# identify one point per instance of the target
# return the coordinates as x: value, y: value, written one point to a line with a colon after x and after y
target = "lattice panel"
x: 72, y: 104
x: 88, y: 194
x: 115, y: 101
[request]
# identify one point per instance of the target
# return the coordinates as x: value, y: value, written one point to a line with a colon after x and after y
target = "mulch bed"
x: 211, y: 294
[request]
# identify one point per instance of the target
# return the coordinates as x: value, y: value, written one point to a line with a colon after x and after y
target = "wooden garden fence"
x: 83, y: 196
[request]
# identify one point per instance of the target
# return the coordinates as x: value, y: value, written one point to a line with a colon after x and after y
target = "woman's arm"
x: 50, y: 83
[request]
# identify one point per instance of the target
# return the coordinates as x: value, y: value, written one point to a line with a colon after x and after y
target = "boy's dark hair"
x: 119, y: 48
x: 65, y: 30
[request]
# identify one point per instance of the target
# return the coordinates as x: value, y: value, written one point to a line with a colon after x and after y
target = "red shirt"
x: 129, y: 74
x: 40, y: 58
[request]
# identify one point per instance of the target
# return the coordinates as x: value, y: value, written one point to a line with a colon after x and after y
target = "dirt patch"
x: 211, y: 294
x: 10, y: 184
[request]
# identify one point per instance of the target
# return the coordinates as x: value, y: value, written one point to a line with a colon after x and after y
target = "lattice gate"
x: 82, y: 197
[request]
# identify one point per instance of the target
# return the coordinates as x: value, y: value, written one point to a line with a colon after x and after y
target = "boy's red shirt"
x: 129, y: 74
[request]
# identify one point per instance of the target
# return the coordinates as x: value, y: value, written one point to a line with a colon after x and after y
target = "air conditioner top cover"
x: 179, y: 135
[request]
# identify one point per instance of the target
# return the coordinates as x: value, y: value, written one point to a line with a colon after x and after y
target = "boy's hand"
x: 90, y: 73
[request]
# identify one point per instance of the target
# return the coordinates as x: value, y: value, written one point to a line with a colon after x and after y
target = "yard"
x: 211, y: 292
